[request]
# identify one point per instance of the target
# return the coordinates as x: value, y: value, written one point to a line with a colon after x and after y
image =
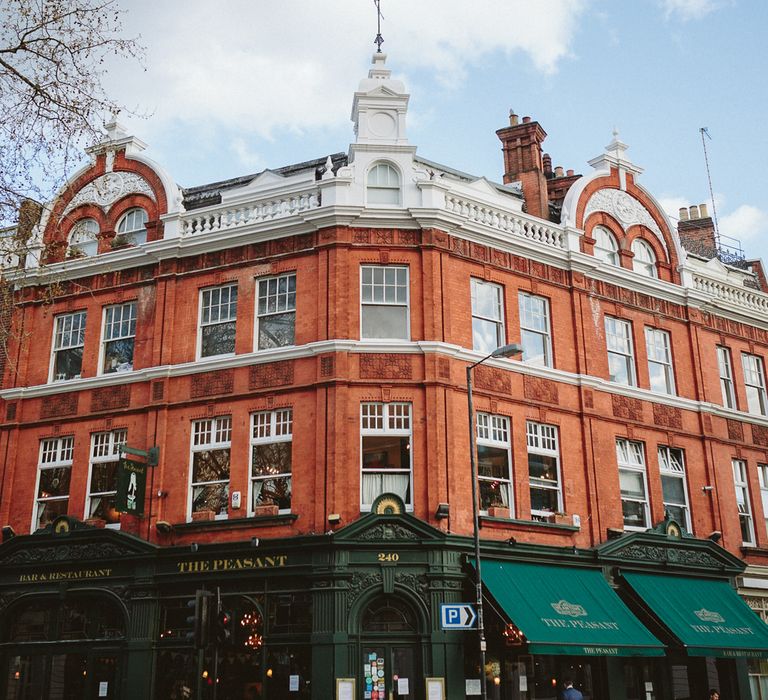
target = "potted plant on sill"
x: 120, y: 241
x: 560, y: 518
x: 499, y: 512
x: 203, y: 515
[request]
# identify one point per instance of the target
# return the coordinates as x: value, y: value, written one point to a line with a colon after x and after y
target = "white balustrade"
x: 732, y: 294
x: 507, y: 221
x: 224, y: 218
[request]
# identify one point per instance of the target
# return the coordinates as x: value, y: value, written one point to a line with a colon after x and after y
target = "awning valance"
x: 707, y: 616
x: 567, y: 610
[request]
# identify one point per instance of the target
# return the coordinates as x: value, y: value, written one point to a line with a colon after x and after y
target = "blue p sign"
x: 457, y: 616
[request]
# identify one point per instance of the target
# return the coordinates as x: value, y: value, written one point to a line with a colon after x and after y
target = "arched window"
x: 133, y: 225
x: 606, y: 248
x: 644, y: 261
x: 383, y: 185
x: 388, y: 614
x: 83, y: 239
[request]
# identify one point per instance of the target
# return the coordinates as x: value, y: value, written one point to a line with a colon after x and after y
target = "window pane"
x: 492, y: 462
x: 544, y: 500
x: 275, y: 491
x: 493, y: 494
x: 277, y: 330
x: 542, y: 467
x: 210, y: 465
x: 273, y: 458
x: 386, y: 452
x: 534, y: 348
x: 634, y: 513
x: 54, y: 482
x: 48, y: 511
x: 68, y: 364
x: 118, y: 356
x: 619, y: 368
x: 210, y: 497
x: 486, y: 335
x: 632, y: 484
x: 673, y: 489
x: 218, y: 339
x: 385, y: 322
x: 104, y: 507
x: 104, y: 477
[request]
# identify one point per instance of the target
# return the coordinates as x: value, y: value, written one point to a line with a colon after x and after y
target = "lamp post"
x: 503, y: 351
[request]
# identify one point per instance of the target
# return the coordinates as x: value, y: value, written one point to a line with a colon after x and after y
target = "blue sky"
x: 258, y: 84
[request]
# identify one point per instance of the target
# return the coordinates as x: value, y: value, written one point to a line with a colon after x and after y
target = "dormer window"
x: 644, y: 261
x: 383, y: 185
x: 606, y: 248
x: 133, y: 226
x: 83, y: 240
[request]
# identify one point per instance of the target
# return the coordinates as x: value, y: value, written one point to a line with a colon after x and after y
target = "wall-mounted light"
x: 614, y: 533
x: 707, y: 488
x: 443, y: 511
x: 254, y: 542
x: 334, y: 518
x: 715, y: 536
x: 163, y: 527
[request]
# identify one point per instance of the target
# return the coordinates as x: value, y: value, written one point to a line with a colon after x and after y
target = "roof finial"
x: 379, y: 40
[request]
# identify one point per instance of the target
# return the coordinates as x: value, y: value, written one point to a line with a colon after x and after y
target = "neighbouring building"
x: 294, y: 343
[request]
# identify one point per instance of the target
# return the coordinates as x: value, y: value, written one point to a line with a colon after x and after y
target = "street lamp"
x: 503, y: 351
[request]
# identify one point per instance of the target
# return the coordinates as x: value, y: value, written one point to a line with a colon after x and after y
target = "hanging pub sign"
x: 131, y: 486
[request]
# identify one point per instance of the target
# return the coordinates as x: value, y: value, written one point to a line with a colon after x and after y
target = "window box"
x: 499, y: 512
x: 266, y: 510
x: 562, y: 519
x: 203, y: 515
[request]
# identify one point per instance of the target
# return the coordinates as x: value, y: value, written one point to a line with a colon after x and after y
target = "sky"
x: 233, y: 87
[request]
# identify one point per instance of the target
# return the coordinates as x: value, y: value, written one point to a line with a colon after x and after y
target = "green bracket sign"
x: 132, y: 479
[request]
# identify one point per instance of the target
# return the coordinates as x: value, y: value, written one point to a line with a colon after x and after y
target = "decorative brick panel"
x: 626, y: 407
x: 57, y: 406
x: 272, y: 374
x: 479, y: 252
x: 760, y: 435
x: 212, y: 383
x: 386, y: 366
x: 111, y: 397
x: 158, y: 390
x: 589, y: 399
x: 10, y: 411
x: 383, y: 236
x: 363, y: 236
x: 537, y: 389
x: 327, y: 366
x: 408, y: 237
x: 444, y: 368
x: 735, y: 430
x: 668, y: 416
x: 492, y: 379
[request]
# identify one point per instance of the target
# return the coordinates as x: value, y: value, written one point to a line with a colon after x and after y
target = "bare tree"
x: 52, y: 96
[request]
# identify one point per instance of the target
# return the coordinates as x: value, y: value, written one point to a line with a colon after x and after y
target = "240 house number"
x: 389, y: 556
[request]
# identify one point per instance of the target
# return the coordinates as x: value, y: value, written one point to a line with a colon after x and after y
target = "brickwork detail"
x: 111, y: 397
x: 272, y: 374
x: 212, y: 383
x: 361, y: 236
x: 380, y: 366
x: 668, y: 416
x: 408, y: 237
x: 735, y: 430
x: 327, y: 366
x: 627, y: 408
x: 492, y: 379
x: 537, y: 389
x: 760, y: 435
x: 589, y: 399
x: 10, y: 411
x: 57, y: 406
x: 444, y: 368
x: 158, y: 390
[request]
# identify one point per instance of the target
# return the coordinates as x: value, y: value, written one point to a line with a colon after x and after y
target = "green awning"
x: 567, y: 610
x: 708, y: 617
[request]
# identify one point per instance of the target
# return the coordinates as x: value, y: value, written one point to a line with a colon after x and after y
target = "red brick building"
x: 295, y: 343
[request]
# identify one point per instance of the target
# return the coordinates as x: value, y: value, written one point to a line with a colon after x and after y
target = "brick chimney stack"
x: 697, y: 231
x: 521, y: 145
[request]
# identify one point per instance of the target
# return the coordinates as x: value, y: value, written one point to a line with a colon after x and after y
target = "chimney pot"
x: 513, y: 120
x: 694, y: 212
x: 526, y: 120
x: 569, y: 173
x: 703, y: 211
x: 683, y: 214
x: 547, y: 162
x: 559, y: 171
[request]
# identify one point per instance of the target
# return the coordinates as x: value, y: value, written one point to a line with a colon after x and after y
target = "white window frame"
x: 543, y: 439
x: 644, y: 261
x: 762, y: 475
x: 545, y: 334
x: 727, y: 386
x: 219, y: 426
x: 673, y: 468
x: 638, y: 466
x: 628, y: 353
x: 741, y: 486
x: 282, y: 305
x: 54, y: 342
x: 477, y: 287
x: 269, y: 428
x: 105, y: 448
x: 406, y: 304
x: 494, y: 431
x: 658, y: 347
x: 383, y: 189
x: 63, y: 450
x: 132, y: 308
x: 201, y: 324
x: 136, y: 236
x: 608, y: 254
x: 391, y: 419
x: 754, y: 379
x: 84, y: 237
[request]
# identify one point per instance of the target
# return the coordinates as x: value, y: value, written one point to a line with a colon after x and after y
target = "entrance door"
x: 389, y: 672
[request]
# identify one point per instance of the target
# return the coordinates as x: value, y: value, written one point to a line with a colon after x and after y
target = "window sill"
x: 236, y: 523
x: 533, y: 525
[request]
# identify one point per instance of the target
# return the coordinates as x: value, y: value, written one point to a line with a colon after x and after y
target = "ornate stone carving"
x: 668, y: 416
x: 735, y: 430
x: 623, y: 207
x: 460, y: 246
x: 57, y: 406
x: 387, y: 532
x: 359, y: 583
x: 492, y: 379
x: 416, y: 582
x: 648, y: 552
x: 212, y: 383
x: 272, y: 374
x: 479, y: 252
x: 626, y: 407
x: 61, y: 552
x: 111, y: 397
x: 537, y: 389
x: 380, y: 366
x: 108, y: 188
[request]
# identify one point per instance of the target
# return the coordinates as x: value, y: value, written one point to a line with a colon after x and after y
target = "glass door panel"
x: 375, y: 671
x: 403, y: 674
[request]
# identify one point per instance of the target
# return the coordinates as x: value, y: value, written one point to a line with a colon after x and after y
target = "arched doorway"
x: 391, y: 663
x: 66, y: 648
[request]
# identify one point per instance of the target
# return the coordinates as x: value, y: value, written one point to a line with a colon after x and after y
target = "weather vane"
x: 379, y: 40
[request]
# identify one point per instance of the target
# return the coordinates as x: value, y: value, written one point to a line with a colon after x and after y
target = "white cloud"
x: 689, y: 9
x: 247, y: 157
x: 745, y: 223
x: 263, y: 67
x: 672, y: 205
